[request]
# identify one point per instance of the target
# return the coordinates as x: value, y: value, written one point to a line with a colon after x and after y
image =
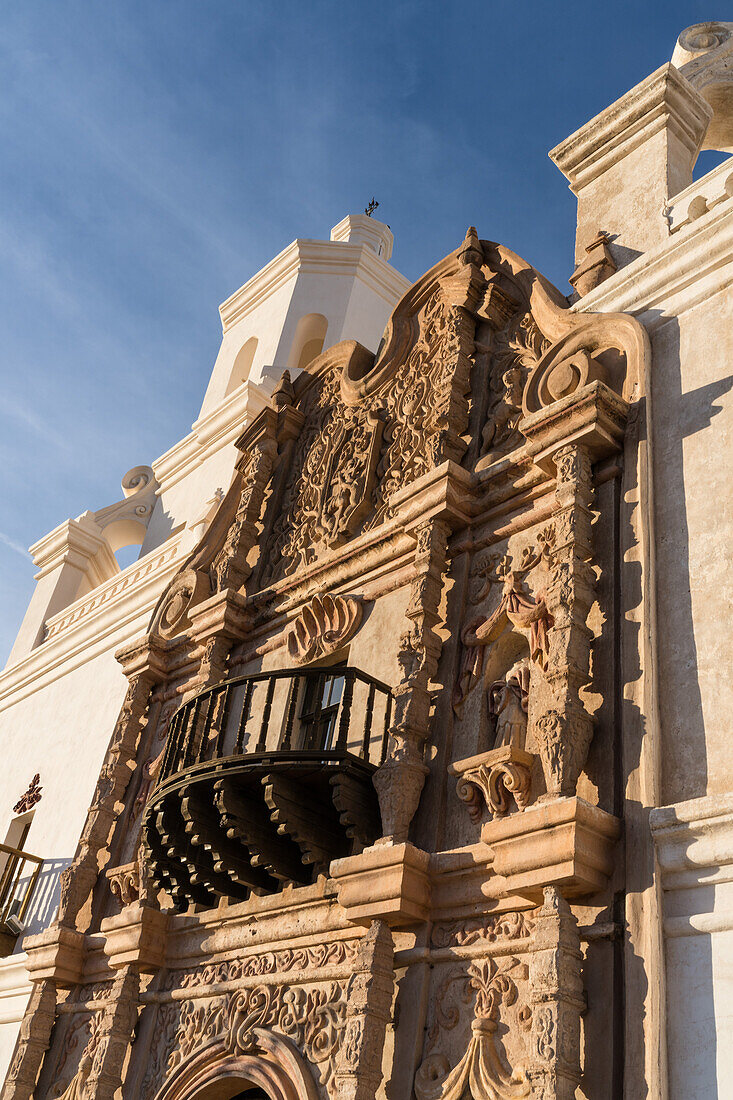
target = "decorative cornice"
x: 101, y: 621
x: 313, y: 257
x: 79, y: 542
x: 694, y: 845
x: 664, y: 99
x: 694, y: 842
x: 210, y: 433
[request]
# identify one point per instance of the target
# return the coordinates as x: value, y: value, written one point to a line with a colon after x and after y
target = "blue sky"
x: 155, y: 155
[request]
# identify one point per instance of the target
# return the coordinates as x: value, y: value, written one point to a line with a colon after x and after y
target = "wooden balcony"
x: 19, y: 873
x: 264, y: 781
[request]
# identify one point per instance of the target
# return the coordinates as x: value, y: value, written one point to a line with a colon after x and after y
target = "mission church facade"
x: 397, y: 766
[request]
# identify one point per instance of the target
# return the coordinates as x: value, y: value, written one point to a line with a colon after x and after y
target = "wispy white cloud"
x: 13, y: 545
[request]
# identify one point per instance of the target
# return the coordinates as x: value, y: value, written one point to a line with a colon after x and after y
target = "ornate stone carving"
x: 514, y: 352
x: 565, y: 728
x: 489, y: 929
x: 124, y: 882
x: 77, y: 881
x: 312, y: 1017
x: 490, y: 779
x: 481, y: 1074
x: 338, y: 953
x: 31, y: 797
x: 556, y: 1000
x: 368, y: 1010
x: 515, y: 609
x: 323, y: 626
x: 399, y: 781
x: 219, y: 562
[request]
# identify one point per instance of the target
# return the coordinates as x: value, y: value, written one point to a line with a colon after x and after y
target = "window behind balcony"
x: 319, y: 711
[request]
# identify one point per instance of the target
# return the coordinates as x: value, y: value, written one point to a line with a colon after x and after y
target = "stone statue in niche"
x: 508, y: 702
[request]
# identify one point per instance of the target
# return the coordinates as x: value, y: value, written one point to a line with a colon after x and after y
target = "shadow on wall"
x: 46, y: 896
x: 678, y: 416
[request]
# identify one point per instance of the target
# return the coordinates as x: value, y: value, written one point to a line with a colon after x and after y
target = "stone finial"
x: 283, y: 394
x: 471, y: 252
x: 597, y: 266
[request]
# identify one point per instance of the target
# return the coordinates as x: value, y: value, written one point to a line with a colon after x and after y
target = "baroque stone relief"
x: 323, y: 626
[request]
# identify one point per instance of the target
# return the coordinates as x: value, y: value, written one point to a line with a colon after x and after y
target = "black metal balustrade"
x: 224, y: 720
x: 265, y: 779
x: 19, y: 873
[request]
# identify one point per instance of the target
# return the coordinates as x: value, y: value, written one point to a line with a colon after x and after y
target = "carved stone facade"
x: 356, y: 835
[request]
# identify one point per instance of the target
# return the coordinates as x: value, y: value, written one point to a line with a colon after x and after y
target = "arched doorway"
x: 271, y: 1068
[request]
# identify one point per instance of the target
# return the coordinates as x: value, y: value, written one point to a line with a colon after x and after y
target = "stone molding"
x: 694, y: 844
x: 15, y: 986
x: 56, y: 955
x: 663, y: 99
x: 97, y: 623
x: 303, y: 256
x: 566, y: 843
x: 136, y: 936
x: 387, y: 882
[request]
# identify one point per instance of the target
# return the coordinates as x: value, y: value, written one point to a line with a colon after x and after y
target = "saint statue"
x: 508, y: 705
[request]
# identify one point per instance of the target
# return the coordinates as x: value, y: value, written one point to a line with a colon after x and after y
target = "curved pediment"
x: 480, y: 342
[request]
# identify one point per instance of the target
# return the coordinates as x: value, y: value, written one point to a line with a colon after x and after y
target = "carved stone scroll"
x: 323, y: 626
x: 491, y: 779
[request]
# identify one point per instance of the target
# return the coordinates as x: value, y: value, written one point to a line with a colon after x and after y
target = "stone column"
x: 114, y: 1036
x: 400, y: 780
x: 557, y: 1001
x: 78, y: 880
x: 565, y: 729
x: 33, y: 1042
x: 368, y: 1011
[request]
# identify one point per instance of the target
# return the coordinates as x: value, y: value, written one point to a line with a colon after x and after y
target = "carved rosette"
x: 323, y: 626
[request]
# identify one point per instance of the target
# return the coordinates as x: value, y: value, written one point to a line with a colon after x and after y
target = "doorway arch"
x: 271, y: 1068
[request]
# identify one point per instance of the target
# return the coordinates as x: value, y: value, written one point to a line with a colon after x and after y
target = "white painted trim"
x: 104, y: 619
x: 307, y: 256
x: 674, y: 277
x: 211, y: 432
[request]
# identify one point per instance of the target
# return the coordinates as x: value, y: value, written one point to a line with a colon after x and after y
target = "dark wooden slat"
x: 205, y: 829
x: 249, y: 821
x: 314, y: 829
x: 357, y: 809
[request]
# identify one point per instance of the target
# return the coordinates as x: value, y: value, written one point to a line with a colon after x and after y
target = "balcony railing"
x: 263, y: 713
x: 265, y: 780
x: 19, y: 873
